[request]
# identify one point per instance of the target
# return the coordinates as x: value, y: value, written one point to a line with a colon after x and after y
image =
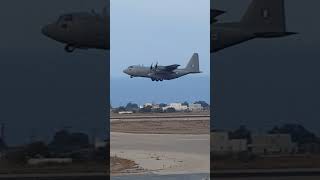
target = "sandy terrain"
x: 162, y: 153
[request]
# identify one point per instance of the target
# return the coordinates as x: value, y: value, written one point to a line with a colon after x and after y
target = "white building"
x: 195, y: 107
x: 221, y: 144
x: 147, y: 104
x: 155, y: 106
x: 176, y: 106
x: 125, y: 112
x: 273, y: 144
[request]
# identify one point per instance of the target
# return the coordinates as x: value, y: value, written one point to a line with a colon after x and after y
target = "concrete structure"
x: 195, y: 107
x: 221, y: 144
x: 272, y: 144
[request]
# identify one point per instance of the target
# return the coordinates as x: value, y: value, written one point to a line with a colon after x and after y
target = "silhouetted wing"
x: 215, y: 13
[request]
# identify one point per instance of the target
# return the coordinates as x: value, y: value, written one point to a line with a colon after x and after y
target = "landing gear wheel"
x: 69, y: 48
x: 131, y: 76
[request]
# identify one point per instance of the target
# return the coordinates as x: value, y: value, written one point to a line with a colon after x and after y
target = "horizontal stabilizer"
x: 214, y: 13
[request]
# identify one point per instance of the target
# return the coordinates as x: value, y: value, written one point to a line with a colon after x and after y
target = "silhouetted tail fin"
x: 266, y: 18
x: 193, y: 65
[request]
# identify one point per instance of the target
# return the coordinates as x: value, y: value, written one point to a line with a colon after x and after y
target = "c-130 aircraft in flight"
x: 263, y: 19
x: 160, y: 73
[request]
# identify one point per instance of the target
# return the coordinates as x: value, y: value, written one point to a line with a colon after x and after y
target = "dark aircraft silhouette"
x: 81, y: 30
x: 263, y: 19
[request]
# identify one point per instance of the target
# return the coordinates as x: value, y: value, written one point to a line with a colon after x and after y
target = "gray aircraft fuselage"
x: 143, y: 71
x: 80, y: 30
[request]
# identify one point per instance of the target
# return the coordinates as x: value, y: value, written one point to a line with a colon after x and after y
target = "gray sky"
x: 164, y: 31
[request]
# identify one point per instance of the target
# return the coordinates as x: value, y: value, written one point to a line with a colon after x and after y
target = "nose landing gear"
x: 69, y: 48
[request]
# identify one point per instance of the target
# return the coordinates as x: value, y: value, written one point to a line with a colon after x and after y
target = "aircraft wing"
x: 166, y: 69
x: 171, y: 67
x: 215, y: 13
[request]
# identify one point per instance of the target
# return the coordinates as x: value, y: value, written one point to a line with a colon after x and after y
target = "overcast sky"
x: 164, y: 31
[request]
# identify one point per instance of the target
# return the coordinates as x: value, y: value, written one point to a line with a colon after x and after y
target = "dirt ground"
x: 162, y: 127
x: 120, y: 165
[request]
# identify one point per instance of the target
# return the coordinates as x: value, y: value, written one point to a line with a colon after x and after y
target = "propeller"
x: 156, y: 66
x: 151, y: 66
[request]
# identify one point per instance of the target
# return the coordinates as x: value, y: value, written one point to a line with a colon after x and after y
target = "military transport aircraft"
x: 81, y: 30
x: 160, y: 73
x: 263, y: 19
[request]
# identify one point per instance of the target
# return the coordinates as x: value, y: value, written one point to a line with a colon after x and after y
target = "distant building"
x: 176, y: 106
x: 38, y: 161
x: 125, y: 112
x: 147, y: 104
x: 310, y: 147
x: 272, y: 144
x: 195, y: 107
x: 100, y: 144
x: 155, y: 106
x: 221, y: 144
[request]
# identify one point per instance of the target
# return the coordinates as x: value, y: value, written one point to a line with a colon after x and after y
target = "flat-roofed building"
x: 272, y: 144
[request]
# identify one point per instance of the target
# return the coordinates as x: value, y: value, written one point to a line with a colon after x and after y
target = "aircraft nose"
x: 125, y: 71
x: 45, y: 30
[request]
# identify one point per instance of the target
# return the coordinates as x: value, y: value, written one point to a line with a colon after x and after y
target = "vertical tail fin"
x: 193, y: 65
x: 266, y: 18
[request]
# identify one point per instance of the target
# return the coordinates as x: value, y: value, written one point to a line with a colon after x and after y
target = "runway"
x: 163, y: 153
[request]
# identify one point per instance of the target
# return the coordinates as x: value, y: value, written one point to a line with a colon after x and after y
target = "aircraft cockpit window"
x: 64, y: 20
x: 67, y: 18
x: 130, y: 67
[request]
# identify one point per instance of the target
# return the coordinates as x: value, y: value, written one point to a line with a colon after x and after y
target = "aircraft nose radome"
x: 125, y: 71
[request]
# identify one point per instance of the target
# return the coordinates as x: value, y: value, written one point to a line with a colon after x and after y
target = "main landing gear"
x: 156, y: 79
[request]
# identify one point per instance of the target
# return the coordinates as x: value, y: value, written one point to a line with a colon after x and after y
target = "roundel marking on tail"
x: 265, y: 13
